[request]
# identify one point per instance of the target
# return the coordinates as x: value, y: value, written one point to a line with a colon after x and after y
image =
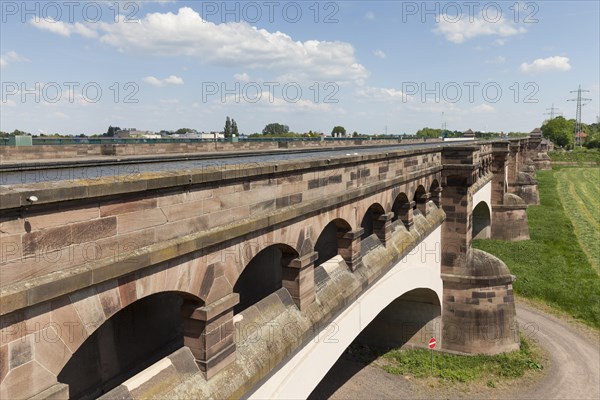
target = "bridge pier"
x: 520, y: 179
x: 382, y: 227
x: 422, y: 203
x: 349, y: 245
x: 509, y: 211
x: 208, y: 332
x: 479, y: 312
x: 299, y: 278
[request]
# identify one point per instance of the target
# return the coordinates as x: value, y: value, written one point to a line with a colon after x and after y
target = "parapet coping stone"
x: 15, y: 196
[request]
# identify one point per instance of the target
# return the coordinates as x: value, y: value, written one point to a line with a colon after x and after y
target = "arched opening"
x: 402, y: 210
x: 482, y: 227
x: 420, y: 200
x: 127, y: 343
x: 409, y: 321
x: 329, y: 242
x: 369, y: 221
x: 263, y: 275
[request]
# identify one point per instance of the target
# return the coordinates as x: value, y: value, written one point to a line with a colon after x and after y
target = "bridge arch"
x: 436, y: 192
x: 132, y: 339
x: 420, y: 200
x: 330, y: 241
x: 482, y: 222
x: 402, y: 209
x: 263, y: 275
x: 369, y: 219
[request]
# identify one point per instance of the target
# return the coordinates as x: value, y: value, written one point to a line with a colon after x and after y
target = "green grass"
x: 579, y: 155
x: 579, y: 189
x: 457, y: 368
x: 552, y: 266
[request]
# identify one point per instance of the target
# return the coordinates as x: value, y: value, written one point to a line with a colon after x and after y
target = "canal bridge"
x: 251, y: 278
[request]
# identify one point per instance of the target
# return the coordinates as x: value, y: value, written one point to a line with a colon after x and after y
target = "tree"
x: 234, y: 128
x: 559, y: 130
x: 228, y: 130
x: 275, y: 129
x: 593, y: 135
x: 112, y: 131
x: 183, y: 131
x: 338, y: 131
x: 429, y: 132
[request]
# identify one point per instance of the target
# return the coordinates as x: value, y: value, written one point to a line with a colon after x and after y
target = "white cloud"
x: 151, y: 80
x: 497, y: 60
x: 370, y: 16
x: 60, y: 115
x: 555, y: 63
x: 465, y: 29
x: 173, y: 80
x: 242, y: 77
x: 226, y: 44
x: 381, y: 94
x: 380, y: 54
x: 483, y: 108
x: 11, y: 57
x: 63, y: 28
x: 170, y: 80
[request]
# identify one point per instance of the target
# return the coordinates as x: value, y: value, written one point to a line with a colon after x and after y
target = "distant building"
x: 537, y: 132
x: 580, y: 137
x: 468, y: 134
x: 199, y: 135
x: 134, y: 133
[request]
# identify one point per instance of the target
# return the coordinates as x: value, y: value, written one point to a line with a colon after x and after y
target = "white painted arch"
x: 298, y: 377
x: 484, y: 194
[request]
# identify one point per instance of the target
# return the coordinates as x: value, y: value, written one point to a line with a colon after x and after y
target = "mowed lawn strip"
x: 578, y: 191
x: 552, y: 266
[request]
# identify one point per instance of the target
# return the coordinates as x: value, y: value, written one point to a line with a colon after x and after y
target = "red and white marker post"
x: 432, y: 343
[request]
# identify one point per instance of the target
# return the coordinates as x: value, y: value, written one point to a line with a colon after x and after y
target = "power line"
x: 552, y: 111
x: 578, y: 126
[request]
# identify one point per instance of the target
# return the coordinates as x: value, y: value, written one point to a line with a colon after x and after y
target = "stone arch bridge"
x: 221, y: 282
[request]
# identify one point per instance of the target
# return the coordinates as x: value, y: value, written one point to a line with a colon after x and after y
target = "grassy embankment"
x: 559, y: 265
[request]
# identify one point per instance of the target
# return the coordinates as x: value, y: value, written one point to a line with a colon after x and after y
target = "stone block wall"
x: 116, y: 218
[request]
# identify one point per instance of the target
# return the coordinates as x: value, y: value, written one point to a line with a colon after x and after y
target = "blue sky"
x: 78, y: 67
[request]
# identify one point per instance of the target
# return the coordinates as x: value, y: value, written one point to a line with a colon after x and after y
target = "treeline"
x: 561, y: 131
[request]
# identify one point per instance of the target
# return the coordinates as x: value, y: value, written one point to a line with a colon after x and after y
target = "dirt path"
x: 573, y: 371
